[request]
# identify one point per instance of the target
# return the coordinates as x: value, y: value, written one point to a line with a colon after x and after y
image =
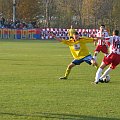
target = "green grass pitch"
x: 30, y: 88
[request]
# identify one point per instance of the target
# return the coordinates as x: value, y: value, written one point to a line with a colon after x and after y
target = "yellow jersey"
x: 78, y: 48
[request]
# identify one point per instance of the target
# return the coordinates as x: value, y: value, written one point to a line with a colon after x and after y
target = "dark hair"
x: 103, y: 25
x: 116, y: 32
x: 75, y: 33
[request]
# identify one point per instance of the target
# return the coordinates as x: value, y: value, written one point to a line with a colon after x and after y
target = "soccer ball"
x: 106, y: 79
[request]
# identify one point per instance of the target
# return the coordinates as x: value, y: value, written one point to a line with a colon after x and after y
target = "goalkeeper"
x: 79, y: 52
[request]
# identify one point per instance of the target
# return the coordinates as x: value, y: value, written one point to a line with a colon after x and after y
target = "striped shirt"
x: 102, y: 34
x: 114, y: 44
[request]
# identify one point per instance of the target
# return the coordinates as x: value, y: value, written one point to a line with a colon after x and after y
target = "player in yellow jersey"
x: 79, y: 52
x: 71, y: 31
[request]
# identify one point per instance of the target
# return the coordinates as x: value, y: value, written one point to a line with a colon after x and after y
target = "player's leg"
x: 106, y: 73
x: 97, y: 50
x: 115, y: 60
x: 112, y: 59
x: 70, y: 66
x: 105, y: 50
x: 95, y: 55
x: 99, y: 72
x: 106, y: 61
x: 68, y: 70
x: 91, y: 61
x: 94, y: 63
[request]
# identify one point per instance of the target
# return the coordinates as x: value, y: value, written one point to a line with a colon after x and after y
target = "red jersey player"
x: 113, y: 59
x: 101, y: 45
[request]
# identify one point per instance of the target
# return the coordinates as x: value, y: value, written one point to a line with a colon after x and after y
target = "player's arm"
x: 87, y: 39
x: 100, y: 38
x: 54, y: 36
x: 96, y: 40
x: 67, y: 42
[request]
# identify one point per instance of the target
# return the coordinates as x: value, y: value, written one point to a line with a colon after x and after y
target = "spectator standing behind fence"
x: 2, y: 21
x: 71, y: 31
x: 30, y: 26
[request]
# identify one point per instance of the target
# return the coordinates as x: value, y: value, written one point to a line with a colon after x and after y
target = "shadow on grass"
x: 60, y: 116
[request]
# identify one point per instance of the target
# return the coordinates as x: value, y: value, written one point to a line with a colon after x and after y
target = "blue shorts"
x: 86, y: 59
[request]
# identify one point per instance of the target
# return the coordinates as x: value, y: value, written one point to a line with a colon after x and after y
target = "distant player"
x: 101, y: 45
x: 79, y: 52
x: 71, y: 31
x: 113, y: 59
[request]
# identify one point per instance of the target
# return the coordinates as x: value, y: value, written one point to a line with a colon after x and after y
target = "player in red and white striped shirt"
x: 113, y: 59
x: 101, y: 45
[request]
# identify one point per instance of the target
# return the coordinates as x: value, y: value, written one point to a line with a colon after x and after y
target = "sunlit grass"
x: 30, y: 88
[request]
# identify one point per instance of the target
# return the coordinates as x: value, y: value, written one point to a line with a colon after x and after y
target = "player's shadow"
x: 59, y: 116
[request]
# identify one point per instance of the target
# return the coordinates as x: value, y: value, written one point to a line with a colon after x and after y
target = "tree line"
x: 63, y: 13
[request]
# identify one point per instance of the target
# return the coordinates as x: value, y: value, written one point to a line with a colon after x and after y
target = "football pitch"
x: 30, y: 88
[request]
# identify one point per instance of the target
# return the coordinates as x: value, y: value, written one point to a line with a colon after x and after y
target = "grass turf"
x: 30, y: 88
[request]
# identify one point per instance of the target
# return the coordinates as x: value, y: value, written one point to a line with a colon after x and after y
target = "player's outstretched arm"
x: 100, y: 38
x: 95, y: 39
x: 54, y: 36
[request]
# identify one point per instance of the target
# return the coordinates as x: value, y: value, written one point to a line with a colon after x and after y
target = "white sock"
x: 98, y: 74
x: 106, y: 73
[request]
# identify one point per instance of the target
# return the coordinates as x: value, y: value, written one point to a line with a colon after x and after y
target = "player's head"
x: 116, y: 32
x: 75, y: 35
x: 102, y: 27
x: 71, y: 26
